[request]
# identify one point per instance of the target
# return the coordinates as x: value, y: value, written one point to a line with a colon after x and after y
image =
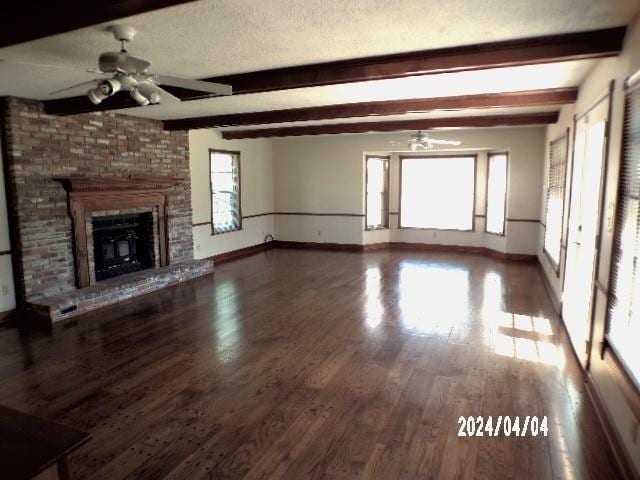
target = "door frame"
x: 607, y: 95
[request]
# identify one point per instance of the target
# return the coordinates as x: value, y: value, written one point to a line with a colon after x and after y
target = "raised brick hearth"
x: 39, y: 150
x: 113, y: 290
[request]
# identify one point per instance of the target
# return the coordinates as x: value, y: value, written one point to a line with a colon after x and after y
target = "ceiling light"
x: 105, y: 89
x: 150, y: 91
x: 138, y: 97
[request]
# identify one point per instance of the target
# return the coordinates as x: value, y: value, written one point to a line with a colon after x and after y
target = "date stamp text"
x: 507, y: 426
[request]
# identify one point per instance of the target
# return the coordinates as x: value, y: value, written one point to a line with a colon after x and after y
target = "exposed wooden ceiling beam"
x: 510, y: 53
x: 389, y: 107
x: 24, y: 21
x: 553, y: 48
x: 400, y: 125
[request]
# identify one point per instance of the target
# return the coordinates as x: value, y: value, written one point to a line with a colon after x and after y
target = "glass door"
x: 584, y: 221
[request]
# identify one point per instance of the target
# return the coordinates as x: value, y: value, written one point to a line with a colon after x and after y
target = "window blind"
x: 556, y: 181
x: 623, y: 314
x: 225, y: 191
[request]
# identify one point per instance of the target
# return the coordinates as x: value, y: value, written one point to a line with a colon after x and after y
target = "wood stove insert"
x: 122, y: 244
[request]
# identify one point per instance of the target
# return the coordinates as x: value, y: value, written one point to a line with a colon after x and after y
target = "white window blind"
x: 556, y: 181
x: 377, y: 192
x: 225, y: 191
x: 437, y: 192
x: 623, y: 316
x: 496, y: 192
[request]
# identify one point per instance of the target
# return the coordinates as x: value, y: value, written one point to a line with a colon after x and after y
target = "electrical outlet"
x: 5, y: 290
x: 319, y: 233
x: 197, y: 248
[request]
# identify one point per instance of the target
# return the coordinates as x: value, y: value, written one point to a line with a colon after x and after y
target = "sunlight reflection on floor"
x: 515, y: 335
x: 435, y: 299
x: 540, y: 350
x: 373, y: 308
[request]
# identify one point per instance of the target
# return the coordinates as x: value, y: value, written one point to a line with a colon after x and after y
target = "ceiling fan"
x: 131, y: 74
x: 422, y: 141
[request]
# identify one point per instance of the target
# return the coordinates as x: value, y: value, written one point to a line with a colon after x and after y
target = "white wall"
x: 7, y: 293
x: 325, y: 174
x: 256, y: 189
x: 594, y: 85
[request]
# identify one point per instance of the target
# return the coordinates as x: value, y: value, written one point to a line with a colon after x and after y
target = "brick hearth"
x: 118, y: 289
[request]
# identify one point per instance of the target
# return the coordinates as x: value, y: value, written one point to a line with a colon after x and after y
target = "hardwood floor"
x: 316, y: 365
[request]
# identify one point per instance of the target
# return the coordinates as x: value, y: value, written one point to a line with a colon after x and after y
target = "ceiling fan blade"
x: 444, y: 142
x: 218, y: 89
x: 73, y: 87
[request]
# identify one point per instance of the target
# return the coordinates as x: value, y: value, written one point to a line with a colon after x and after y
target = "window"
x: 556, y: 180
x: 496, y: 192
x: 225, y: 191
x: 623, y: 316
x: 377, y: 192
x: 437, y: 192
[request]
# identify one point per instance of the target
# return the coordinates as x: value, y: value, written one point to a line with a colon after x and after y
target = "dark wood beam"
x: 389, y: 107
x: 24, y: 21
x: 400, y: 125
x: 510, y: 53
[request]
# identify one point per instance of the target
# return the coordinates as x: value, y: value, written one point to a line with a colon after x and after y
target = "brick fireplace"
x: 65, y: 173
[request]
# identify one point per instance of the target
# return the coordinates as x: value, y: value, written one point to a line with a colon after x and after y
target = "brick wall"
x: 41, y: 147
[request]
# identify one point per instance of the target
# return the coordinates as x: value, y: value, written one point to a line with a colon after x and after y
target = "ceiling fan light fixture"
x: 96, y: 95
x: 154, y: 98
x: 139, y: 98
x: 105, y: 89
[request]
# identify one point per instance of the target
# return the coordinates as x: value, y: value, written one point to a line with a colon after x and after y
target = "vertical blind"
x: 623, y: 315
x: 437, y: 192
x: 225, y: 191
x: 377, y: 192
x: 496, y: 192
x: 556, y: 180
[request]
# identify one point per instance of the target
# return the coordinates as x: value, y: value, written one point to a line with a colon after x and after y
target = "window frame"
x: 625, y: 380
x: 506, y: 194
x: 236, y: 154
x: 402, y: 158
x: 385, y: 203
x: 563, y: 234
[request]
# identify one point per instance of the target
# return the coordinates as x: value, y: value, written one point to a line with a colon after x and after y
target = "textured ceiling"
x: 216, y: 37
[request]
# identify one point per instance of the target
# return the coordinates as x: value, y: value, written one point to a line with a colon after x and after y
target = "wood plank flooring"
x: 316, y: 365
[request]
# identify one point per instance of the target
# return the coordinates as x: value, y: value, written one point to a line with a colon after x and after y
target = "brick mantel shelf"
x: 86, y: 194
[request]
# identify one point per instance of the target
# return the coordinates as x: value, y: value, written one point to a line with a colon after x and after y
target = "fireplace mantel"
x: 94, y: 184
x: 87, y: 194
